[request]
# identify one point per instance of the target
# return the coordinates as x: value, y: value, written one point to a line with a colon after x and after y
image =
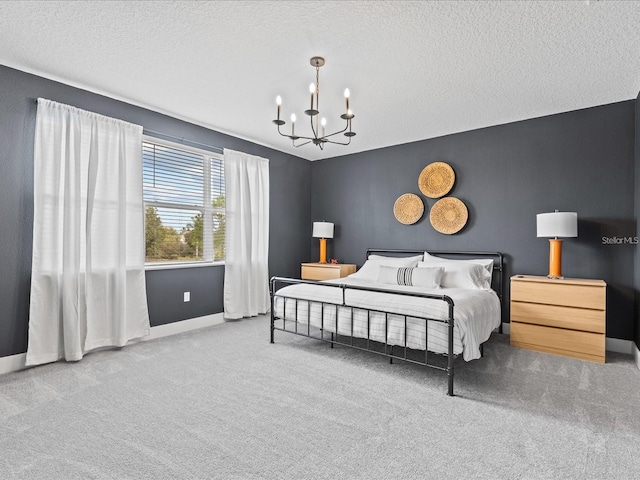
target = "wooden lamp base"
x: 323, y: 250
x: 555, y: 258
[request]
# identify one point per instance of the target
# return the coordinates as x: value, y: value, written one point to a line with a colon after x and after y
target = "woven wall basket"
x: 408, y: 208
x: 448, y: 215
x: 436, y: 179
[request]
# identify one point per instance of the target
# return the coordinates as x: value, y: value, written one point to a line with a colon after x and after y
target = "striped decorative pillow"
x: 410, y: 276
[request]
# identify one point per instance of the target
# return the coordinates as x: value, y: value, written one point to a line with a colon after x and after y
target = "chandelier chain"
x: 317, y: 96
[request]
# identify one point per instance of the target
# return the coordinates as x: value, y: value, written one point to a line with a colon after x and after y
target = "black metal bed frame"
x: 369, y: 345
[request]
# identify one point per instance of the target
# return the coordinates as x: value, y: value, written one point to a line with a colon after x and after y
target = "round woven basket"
x: 448, y: 215
x: 408, y: 208
x: 436, y: 179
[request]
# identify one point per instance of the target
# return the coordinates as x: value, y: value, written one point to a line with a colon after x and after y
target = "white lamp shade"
x: 557, y: 224
x: 323, y: 229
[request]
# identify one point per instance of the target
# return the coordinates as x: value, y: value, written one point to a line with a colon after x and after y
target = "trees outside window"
x: 184, y: 204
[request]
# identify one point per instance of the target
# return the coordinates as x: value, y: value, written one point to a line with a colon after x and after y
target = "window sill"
x: 171, y: 266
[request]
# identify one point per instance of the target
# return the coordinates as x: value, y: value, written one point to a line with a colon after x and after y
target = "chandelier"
x: 319, y: 138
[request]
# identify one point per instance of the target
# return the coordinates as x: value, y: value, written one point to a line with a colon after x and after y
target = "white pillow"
x: 399, y: 261
x: 410, y: 276
x: 487, y: 264
x: 460, y: 274
x: 369, y: 271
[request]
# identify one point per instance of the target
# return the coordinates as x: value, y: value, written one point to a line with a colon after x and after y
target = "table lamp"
x: 323, y: 230
x: 556, y: 224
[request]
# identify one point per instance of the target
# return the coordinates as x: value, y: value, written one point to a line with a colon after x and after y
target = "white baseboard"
x: 612, y: 344
x: 620, y: 346
x: 184, y: 326
x: 14, y: 363
x: 636, y: 355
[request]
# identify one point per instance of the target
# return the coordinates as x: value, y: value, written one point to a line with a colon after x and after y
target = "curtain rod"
x: 154, y: 133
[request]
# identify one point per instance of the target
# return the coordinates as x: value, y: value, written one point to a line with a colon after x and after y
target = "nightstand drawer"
x: 318, y: 273
x: 570, y: 295
x: 584, y: 345
x: 562, y: 317
x: 326, y: 271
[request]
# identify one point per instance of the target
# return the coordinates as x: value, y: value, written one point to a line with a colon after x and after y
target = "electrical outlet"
x: 187, y: 296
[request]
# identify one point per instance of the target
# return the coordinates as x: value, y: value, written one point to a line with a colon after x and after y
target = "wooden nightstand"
x: 326, y: 271
x: 561, y: 316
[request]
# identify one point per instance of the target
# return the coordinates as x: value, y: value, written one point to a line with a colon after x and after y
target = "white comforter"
x: 476, y: 314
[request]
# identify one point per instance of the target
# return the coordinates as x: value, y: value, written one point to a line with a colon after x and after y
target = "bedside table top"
x: 327, y: 265
x: 565, y: 281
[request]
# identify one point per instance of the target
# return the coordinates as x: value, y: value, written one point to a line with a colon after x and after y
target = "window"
x: 184, y: 203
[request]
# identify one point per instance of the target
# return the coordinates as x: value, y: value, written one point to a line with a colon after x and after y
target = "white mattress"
x: 476, y: 314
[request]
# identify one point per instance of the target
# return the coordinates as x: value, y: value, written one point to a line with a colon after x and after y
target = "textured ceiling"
x: 416, y: 70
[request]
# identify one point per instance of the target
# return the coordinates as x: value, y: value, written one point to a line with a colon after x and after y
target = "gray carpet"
x: 224, y: 403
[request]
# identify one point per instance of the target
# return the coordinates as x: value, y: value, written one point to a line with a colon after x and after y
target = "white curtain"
x: 246, y: 274
x: 87, y: 281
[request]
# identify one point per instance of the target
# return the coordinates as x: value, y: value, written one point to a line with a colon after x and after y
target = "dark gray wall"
x: 580, y: 161
x: 636, y: 263
x: 289, y: 206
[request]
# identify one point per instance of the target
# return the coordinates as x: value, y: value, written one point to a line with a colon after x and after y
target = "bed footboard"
x: 375, y: 330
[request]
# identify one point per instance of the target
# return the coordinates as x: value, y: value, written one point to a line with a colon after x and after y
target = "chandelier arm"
x: 338, y: 132
x: 302, y: 137
x: 338, y: 143
x: 296, y: 136
x: 315, y: 134
x: 310, y: 139
x: 302, y: 144
x: 281, y: 132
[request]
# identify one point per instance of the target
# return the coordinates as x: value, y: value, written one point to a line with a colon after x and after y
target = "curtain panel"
x: 246, y: 276
x: 88, y: 283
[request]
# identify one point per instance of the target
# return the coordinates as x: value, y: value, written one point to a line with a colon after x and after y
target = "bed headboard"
x: 497, y: 281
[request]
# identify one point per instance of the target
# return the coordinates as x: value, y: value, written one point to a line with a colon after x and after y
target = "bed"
x: 424, y: 307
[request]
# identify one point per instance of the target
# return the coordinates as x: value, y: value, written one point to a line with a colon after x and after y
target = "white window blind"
x: 184, y: 203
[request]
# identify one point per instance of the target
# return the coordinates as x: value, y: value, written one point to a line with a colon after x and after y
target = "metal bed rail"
x: 388, y: 349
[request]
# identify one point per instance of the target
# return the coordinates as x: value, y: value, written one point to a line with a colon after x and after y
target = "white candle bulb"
x: 278, y: 102
x: 311, y: 91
